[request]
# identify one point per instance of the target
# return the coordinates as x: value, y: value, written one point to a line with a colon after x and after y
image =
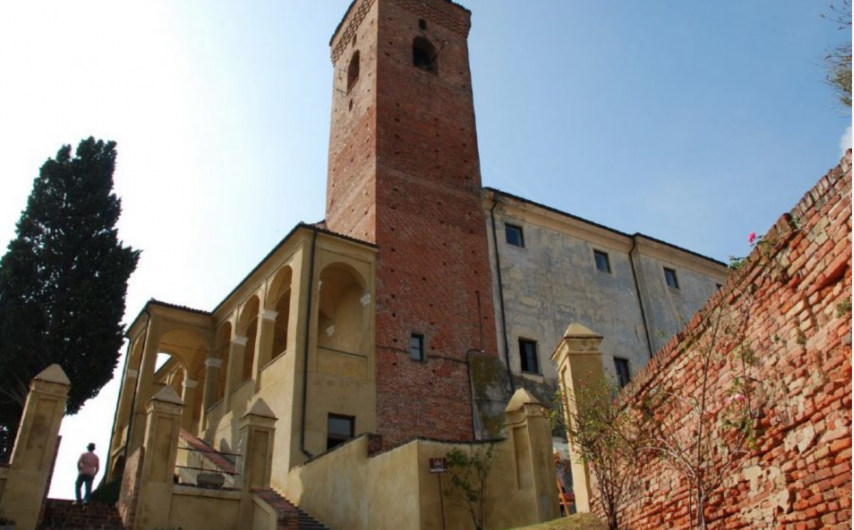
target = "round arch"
x: 342, y: 317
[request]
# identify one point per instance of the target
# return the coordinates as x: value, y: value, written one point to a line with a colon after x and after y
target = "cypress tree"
x: 63, y: 282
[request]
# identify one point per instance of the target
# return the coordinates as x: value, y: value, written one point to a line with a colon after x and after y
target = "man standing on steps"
x: 88, y: 466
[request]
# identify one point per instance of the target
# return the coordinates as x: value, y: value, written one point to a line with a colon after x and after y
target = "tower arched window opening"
x: 424, y: 55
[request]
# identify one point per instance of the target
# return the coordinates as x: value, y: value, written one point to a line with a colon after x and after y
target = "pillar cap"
x: 577, y: 331
x: 259, y: 408
x: 53, y: 374
x: 521, y: 398
x: 167, y: 395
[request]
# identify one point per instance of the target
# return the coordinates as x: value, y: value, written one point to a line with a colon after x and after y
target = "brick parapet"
x: 447, y: 13
x: 796, y: 286
x: 347, y: 29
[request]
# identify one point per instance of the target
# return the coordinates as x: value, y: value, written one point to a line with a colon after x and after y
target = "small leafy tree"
x: 839, y: 58
x: 701, y: 435
x: 607, y: 437
x: 63, y: 281
x: 698, y: 437
x: 469, y: 471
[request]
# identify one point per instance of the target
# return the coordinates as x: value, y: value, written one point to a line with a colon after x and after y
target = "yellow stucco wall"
x: 263, y: 517
x: 396, y: 491
x: 194, y: 509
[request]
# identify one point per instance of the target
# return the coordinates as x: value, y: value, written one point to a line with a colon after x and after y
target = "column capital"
x: 213, y: 362
x: 240, y: 340
x: 269, y: 314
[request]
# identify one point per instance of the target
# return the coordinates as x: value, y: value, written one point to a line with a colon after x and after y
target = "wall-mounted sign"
x: 438, y: 465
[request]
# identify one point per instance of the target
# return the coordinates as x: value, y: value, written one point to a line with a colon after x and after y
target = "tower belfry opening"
x: 424, y: 55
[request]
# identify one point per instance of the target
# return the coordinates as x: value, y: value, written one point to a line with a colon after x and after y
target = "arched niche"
x: 169, y: 371
x: 118, y: 468
x: 184, y: 344
x: 176, y: 379
x: 247, y: 326
x: 342, y: 322
x: 279, y: 297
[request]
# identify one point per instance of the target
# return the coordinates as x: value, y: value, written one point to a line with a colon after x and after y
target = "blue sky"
x: 695, y: 122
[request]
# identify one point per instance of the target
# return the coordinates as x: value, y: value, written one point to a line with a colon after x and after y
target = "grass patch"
x: 581, y: 521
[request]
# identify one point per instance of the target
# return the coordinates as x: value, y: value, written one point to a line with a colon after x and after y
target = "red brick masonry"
x: 797, y: 476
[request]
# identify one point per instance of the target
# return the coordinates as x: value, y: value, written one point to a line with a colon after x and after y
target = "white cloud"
x: 845, y: 141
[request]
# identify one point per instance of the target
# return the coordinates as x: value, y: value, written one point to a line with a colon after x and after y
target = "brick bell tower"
x: 404, y: 173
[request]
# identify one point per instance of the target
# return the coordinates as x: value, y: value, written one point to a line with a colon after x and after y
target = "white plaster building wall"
x: 669, y: 309
x: 553, y: 281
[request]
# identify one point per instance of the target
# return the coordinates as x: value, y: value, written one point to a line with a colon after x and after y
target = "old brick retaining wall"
x: 131, y: 482
x: 788, y: 307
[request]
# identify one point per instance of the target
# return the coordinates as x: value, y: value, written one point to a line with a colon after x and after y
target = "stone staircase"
x: 288, y: 515
x: 65, y: 515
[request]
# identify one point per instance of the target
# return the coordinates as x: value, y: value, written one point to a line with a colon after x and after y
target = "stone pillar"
x: 530, y: 435
x: 189, y: 398
x: 235, y: 368
x: 121, y: 428
x: 123, y: 408
x: 35, y: 448
x: 264, y: 344
x: 578, y: 359
x: 257, y: 431
x: 145, y: 386
x: 212, y: 369
x: 162, y: 426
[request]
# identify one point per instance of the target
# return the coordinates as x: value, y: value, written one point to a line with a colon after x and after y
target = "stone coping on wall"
x: 783, y: 231
x: 210, y: 493
x: 375, y: 444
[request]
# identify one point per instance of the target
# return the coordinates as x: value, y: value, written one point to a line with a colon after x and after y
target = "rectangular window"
x: 603, y: 264
x: 514, y: 236
x: 339, y: 429
x: 623, y: 374
x: 528, y: 356
x: 416, y: 347
x: 670, y: 278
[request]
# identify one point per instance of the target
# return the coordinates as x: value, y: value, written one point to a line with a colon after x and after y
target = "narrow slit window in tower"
x: 353, y: 71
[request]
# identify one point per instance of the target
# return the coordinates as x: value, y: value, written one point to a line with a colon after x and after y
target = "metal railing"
x: 208, y: 473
